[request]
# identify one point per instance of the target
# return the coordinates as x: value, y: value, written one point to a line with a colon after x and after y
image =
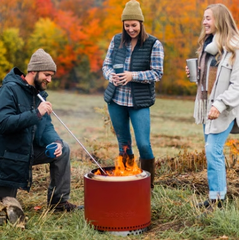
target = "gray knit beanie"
x: 41, y: 61
x: 132, y: 11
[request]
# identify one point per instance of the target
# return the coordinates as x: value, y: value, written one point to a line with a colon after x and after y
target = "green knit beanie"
x: 132, y: 11
x: 41, y: 61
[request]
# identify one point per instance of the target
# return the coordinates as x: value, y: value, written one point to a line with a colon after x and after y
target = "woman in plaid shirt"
x: 130, y: 94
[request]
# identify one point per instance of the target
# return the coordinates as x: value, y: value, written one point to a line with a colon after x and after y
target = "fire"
x: 124, y: 166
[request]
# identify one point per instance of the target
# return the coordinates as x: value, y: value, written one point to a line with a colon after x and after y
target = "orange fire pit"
x: 117, y: 203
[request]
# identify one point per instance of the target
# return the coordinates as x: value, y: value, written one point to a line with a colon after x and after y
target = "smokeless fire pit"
x: 118, y: 204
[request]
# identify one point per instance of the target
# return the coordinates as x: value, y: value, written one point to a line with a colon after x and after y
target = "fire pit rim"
x: 135, y: 177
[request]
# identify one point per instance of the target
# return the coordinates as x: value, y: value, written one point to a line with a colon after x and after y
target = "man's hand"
x: 58, y: 151
x: 45, y: 107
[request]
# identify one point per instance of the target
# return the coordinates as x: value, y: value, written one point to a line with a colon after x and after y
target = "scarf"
x: 207, y: 77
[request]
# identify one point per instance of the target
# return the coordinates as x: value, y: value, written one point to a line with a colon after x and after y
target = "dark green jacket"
x: 20, y: 127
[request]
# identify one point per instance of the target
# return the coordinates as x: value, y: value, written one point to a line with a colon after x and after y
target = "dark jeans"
x: 140, y: 119
x: 60, y: 175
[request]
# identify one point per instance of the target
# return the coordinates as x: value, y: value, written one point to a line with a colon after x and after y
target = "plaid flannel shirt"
x: 123, y: 95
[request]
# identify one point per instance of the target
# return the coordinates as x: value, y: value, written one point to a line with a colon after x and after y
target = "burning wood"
x: 123, y: 167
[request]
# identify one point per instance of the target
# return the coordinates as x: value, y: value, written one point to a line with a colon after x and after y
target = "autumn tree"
x: 178, y: 31
x: 51, y: 38
x: 13, y: 44
x: 5, y: 65
x: 111, y: 20
x: 18, y: 14
x: 77, y: 34
x: 234, y: 7
x: 44, y: 8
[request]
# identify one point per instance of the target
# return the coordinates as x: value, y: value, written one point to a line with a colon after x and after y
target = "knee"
x: 208, y: 148
x: 145, y: 151
x: 144, y: 147
x: 212, y: 149
x: 66, y: 149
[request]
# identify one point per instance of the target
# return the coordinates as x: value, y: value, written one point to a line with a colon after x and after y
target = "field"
x: 180, y: 175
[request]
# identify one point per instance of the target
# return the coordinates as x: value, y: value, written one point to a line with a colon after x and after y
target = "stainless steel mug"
x: 192, y: 64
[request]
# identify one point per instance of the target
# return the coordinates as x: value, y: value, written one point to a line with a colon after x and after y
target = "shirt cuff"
x: 220, y: 106
x: 135, y: 76
x: 61, y: 142
x: 38, y: 114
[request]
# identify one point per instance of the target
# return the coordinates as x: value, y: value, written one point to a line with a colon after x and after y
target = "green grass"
x: 174, y: 215
x: 172, y: 123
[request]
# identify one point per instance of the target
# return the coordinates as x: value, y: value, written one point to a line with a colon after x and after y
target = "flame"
x: 98, y: 172
x: 124, y: 166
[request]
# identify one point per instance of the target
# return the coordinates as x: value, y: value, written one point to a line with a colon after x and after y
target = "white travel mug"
x: 192, y: 64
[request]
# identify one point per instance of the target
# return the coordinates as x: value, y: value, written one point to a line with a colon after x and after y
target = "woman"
x: 217, y: 100
x: 130, y: 94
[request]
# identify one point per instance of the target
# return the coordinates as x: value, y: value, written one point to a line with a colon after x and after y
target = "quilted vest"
x: 143, y: 94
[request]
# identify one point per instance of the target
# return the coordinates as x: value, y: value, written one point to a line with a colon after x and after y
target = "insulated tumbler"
x: 192, y: 64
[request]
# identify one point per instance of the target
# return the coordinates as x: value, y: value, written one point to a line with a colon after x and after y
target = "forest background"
x: 77, y: 34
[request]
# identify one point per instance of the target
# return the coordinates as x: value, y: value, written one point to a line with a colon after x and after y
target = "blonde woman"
x: 217, y: 100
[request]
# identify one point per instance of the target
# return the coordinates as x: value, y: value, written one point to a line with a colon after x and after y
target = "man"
x: 26, y: 129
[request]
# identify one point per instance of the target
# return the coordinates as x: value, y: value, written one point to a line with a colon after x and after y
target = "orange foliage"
x: 66, y: 59
x: 93, y: 32
x: 70, y: 24
x: 82, y: 39
x: 18, y: 14
x: 234, y: 7
x: 44, y: 8
x: 111, y: 22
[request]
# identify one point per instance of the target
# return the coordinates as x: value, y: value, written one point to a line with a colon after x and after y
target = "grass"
x: 172, y: 123
x: 178, y: 146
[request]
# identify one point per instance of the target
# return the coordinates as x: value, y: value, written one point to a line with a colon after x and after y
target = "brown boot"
x: 149, y: 165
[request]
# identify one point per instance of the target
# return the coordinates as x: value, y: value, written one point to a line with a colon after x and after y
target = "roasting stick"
x: 43, y: 100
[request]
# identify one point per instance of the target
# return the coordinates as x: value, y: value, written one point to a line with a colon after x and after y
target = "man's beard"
x: 38, y: 83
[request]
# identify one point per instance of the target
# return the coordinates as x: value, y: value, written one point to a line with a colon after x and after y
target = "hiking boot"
x: 209, y: 206
x: 148, y: 165
x: 66, y: 206
x: 210, y: 203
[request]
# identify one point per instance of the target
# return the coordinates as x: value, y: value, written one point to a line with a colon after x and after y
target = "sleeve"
x: 230, y: 97
x: 13, y: 116
x: 107, y: 65
x: 46, y: 133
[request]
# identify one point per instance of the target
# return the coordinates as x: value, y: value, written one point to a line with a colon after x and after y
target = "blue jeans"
x: 140, y: 119
x: 216, y: 169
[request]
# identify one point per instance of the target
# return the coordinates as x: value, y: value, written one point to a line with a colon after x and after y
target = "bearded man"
x: 25, y: 131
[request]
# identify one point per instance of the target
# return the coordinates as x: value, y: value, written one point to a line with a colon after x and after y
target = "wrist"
x: 38, y: 113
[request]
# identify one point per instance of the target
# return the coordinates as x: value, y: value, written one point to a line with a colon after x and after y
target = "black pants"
x: 6, y: 191
x: 60, y: 175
